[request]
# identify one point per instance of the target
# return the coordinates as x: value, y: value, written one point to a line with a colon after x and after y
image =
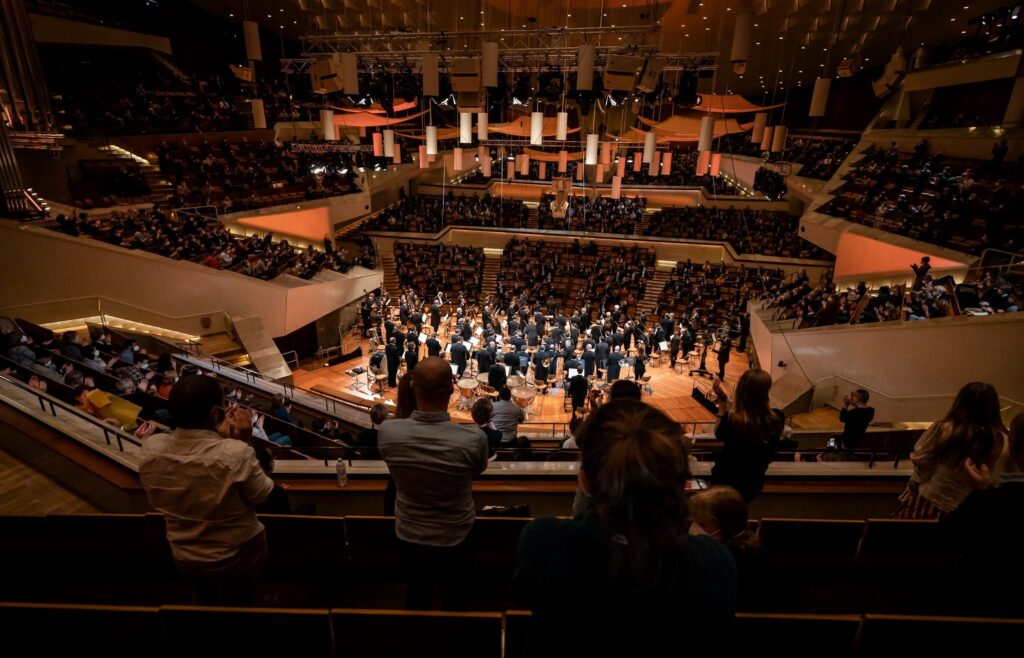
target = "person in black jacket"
x: 496, y: 376
x: 394, y: 356
x: 578, y: 387
x: 724, y: 350
x: 433, y: 345
x: 412, y: 355
x: 750, y: 433
x: 460, y: 354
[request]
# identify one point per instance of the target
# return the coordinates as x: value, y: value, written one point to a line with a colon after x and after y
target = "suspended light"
x: 703, y: 161
x: 819, y: 99
x: 585, y: 68
x: 485, y: 161
x: 423, y: 158
x: 666, y: 163
x: 616, y: 187
x: 716, y: 164
x: 389, y: 141
x: 741, y: 42
x: 481, y: 126
x: 591, y: 153
x: 760, y: 121
x: 457, y: 160
x: 536, y: 128
x: 562, y: 127
x: 779, y: 139
x: 766, y: 139
x: 465, y: 128
x: 327, y: 125
x: 378, y: 145
x: 396, y: 153
x: 649, y: 142
x: 707, y: 133
x: 563, y: 161
x: 431, y: 140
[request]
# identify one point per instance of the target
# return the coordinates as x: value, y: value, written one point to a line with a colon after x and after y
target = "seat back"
x: 407, y: 634
x: 40, y: 629
x: 517, y: 630
x: 198, y: 632
x: 795, y: 636
x: 810, y: 539
x: 894, y: 635
x: 373, y: 547
x: 309, y: 548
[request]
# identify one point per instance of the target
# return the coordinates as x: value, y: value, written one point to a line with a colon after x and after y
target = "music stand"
x: 702, y: 369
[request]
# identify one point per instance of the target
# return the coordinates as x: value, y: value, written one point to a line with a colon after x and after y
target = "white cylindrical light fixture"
x: 389, y: 141
x: 562, y: 127
x: 536, y: 128
x: 650, y: 139
x: 757, y: 133
x: 481, y: 126
x: 259, y: 117
x: 465, y: 127
x: 819, y: 99
x: 779, y: 139
x: 741, y: 41
x: 707, y: 133
x: 585, y: 68
x: 591, y: 153
x: 766, y: 140
x: 327, y: 125
x: 431, y: 140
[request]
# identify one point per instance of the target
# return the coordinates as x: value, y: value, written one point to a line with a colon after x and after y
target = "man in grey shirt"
x: 507, y: 416
x: 433, y: 462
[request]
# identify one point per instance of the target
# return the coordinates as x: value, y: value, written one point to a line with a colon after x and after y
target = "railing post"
x: 53, y: 409
x: 120, y: 445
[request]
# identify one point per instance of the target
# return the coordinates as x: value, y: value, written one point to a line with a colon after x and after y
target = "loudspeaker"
x: 251, y: 32
x: 431, y: 83
x: 325, y: 75
x: 620, y: 72
x: 649, y: 79
x: 465, y: 75
x: 489, y: 73
x: 350, y: 73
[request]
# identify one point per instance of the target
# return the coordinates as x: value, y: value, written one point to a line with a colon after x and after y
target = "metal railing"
x: 50, y: 405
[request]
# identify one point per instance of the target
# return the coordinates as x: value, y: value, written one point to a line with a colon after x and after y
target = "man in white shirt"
x: 206, y: 481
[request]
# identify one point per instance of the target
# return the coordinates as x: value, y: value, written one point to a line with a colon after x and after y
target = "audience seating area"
x: 206, y: 241
x: 576, y: 274
x: 246, y: 175
x: 764, y: 232
x: 430, y: 269
x: 601, y: 215
x: 426, y: 213
x: 103, y: 183
x: 820, y: 155
x: 966, y: 205
x: 712, y: 295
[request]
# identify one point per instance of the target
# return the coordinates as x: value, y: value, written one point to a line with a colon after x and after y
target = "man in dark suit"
x: 613, y: 365
x: 403, y: 312
x: 484, y: 358
x: 496, y: 377
x: 601, y: 349
x: 540, y: 371
x: 531, y: 334
x: 394, y: 355
x: 460, y: 355
x: 673, y: 346
x: 744, y: 331
x: 688, y: 338
x: 589, y: 360
x: 435, y: 315
x: 723, y: 357
x: 412, y: 355
x: 538, y: 317
x: 389, y: 329
x: 578, y: 387
x: 433, y: 345
x: 668, y: 324
x: 511, y: 359
x: 516, y: 341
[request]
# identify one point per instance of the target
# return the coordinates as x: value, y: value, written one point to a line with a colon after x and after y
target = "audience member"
x: 855, y: 415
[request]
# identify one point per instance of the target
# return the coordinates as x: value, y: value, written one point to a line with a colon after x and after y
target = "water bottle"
x: 342, y: 473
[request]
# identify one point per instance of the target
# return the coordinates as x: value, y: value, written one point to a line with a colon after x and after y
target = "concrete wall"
x: 913, y: 369
x: 49, y: 29
x: 41, y: 267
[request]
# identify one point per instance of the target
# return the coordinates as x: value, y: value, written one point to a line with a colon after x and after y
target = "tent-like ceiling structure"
x: 442, y: 134
x: 521, y: 127
x: 682, y: 128
x: 369, y: 120
x: 730, y: 104
x: 376, y: 108
x: 548, y: 156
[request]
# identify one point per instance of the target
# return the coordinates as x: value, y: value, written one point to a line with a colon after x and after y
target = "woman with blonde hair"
x: 625, y: 578
x: 750, y: 432
x: 972, y: 437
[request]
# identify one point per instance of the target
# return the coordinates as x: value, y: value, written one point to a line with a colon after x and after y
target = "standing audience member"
x: 483, y: 413
x: 750, y: 433
x: 206, y: 481
x: 433, y: 462
x: 971, y: 436
x: 507, y: 416
x: 625, y: 578
x: 855, y: 415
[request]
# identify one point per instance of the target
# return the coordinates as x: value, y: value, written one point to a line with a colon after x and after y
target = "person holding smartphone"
x: 855, y: 415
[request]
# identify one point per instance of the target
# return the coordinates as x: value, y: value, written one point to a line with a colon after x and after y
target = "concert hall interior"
x: 577, y: 328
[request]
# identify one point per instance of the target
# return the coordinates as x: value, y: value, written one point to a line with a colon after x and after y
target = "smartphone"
x: 833, y: 442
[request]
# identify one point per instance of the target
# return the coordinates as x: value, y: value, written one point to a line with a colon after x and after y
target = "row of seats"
x: 820, y: 565
x: 197, y: 632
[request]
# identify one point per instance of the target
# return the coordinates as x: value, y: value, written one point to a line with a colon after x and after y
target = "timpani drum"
x: 515, y: 381
x: 467, y: 392
x: 482, y: 377
x: 523, y: 396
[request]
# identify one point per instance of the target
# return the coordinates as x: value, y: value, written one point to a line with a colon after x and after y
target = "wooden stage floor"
x: 672, y: 391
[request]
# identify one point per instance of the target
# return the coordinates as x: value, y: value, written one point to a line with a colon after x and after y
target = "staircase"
x: 492, y: 263
x: 654, y: 288
x: 645, y: 220
x: 223, y: 346
x: 532, y: 221
x: 159, y: 188
x: 387, y: 265
x: 170, y: 66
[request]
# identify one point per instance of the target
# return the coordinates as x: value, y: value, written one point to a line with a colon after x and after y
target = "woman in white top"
x: 972, y: 436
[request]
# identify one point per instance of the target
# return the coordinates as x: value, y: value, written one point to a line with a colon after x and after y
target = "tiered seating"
x: 717, y: 293
x: 965, y: 205
x: 682, y: 174
x: 426, y: 213
x: 820, y: 155
x: 575, y: 274
x: 207, y: 241
x: 769, y: 233
x: 600, y: 215
x: 429, y: 269
x: 246, y: 175
x: 109, y: 182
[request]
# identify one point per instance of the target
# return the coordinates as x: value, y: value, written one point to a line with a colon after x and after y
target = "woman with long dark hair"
x: 625, y: 578
x: 750, y: 432
x: 971, y: 435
